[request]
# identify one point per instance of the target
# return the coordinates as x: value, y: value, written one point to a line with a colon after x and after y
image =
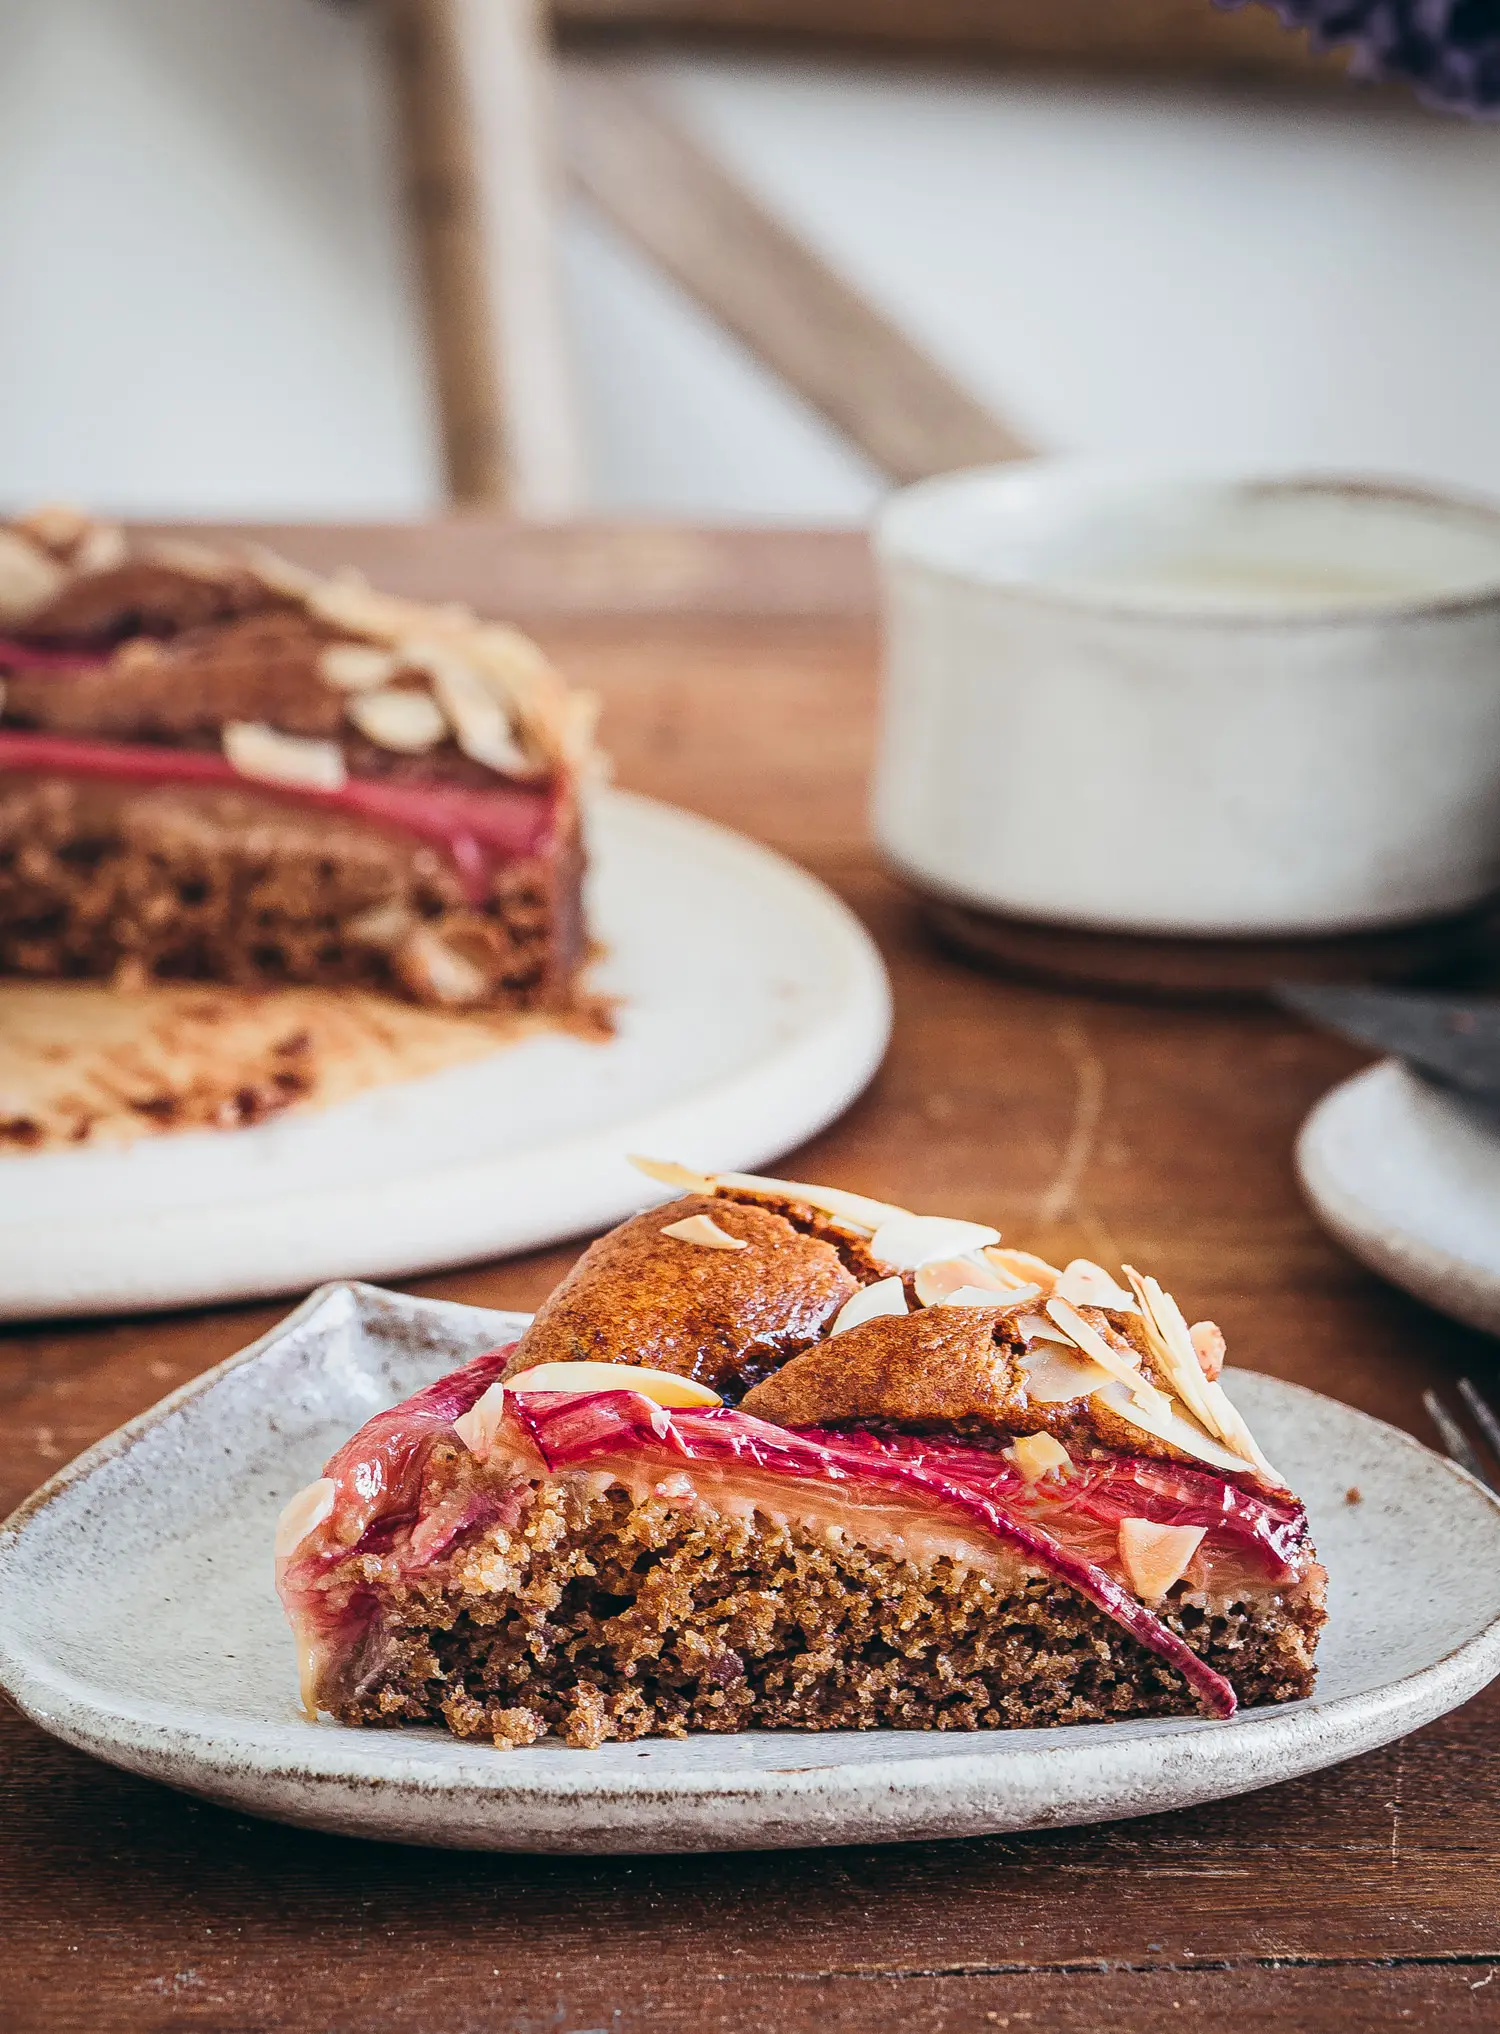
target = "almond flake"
x: 1125, y: 1368
x: 1155, y: 1556
x: 480, y: 721
x: 29, y: 579
x: 907, y: 1242
x: 1037, y: 1455
x: 431, y: 969
x: 56, y: 525
x: 381, y: 925
x: 986, y: 1296
x: 1055, y: 1376
x: 705, y: 1232
x: 1037, y: 1328
x: 1166, y: 1423
x: 100, y: 549
x: 398, y: 719
x: 1207, y: 1401
x: 1207, y: 1338
x: 854, y: 1210
x: 479, y: 1427
x: 304, y: 1514
x: 1022, y: 1268
x: 871, y: 1303
x: 270, y: 757
x: 664, y: 1388
x: 1086, y: 1284
x: 356, y: 667
x: 935, y: 1281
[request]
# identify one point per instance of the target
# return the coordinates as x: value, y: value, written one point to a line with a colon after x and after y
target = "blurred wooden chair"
x: 494, y: 128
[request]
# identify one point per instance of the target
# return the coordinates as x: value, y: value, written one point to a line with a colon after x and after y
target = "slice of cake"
x: 776, y: 1456
x: 220, y: 768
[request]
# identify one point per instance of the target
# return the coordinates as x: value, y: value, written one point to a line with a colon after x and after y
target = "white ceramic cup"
x: 1127, y: 701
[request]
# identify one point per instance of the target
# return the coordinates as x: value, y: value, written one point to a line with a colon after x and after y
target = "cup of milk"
x: 1205, y: 706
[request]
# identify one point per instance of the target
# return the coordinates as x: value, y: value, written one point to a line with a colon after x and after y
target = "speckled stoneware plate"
x: 138, y: 1621
x: 1407, y: 1176
x: 753, y: 1009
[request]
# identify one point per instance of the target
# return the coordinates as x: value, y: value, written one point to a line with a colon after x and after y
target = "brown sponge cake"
x: 775, y: 1456
x: 220, y: 768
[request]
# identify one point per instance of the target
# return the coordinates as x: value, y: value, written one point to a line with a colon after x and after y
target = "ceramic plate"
x: 755, y: 1008
x: 1407, y: 1176
x: 138, y: 1621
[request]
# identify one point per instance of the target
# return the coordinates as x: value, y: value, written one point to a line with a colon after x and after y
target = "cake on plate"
x: 779, y: 1456
x: 221, y: 768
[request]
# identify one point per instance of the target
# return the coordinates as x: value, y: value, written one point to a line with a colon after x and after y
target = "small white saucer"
x: 1407, y: 1176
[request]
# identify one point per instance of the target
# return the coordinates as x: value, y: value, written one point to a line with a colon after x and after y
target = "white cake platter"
x: 138, y: 1621
x: 753, y: 1009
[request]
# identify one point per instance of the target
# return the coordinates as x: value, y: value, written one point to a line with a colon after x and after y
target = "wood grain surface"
x: 1365, y: 1897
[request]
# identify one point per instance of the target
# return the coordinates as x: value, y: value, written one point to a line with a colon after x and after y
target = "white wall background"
x: 206, y: 305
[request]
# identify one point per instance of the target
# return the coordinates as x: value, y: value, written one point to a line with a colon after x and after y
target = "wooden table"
x: 741, y: 686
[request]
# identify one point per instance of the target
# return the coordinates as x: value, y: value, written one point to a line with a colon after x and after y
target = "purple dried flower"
x: 1449, y: 50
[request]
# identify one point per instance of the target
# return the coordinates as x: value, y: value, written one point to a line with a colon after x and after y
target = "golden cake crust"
x: 722, y: 1317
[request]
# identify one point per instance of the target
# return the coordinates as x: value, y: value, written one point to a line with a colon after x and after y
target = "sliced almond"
x: 705, y: 1232
x: 101, y: 548
x: 269, y: 757
x: 1207, y: 1338
x: 348, y: 601
x: 1125, y: 1368
x: 303, y: 1514
x: 986, y: 1296
x: 935, y: 1281
x: 1205, y: 1400
x: 906, y: 1242
x: 479, y: 1427
x: 1055, y: 1377
x: 29, y: 579
x: 856, y: 1209
x: 1170, y: 1426
x: 398, y: 718
x: 481, y: 724
x: 382, y: 925
x: 853, y: 1209
x: 56, y: 525
x: 356, y: 667
x: 1037, y: 1455
x: 662, y: 1387
x: 1037, y: 1328
x: 1155, y: 1556
x: 871, y: 1303
x: 1086, y: 1284
x: 432, y: 970
x: 1022, y: 1267
x: 669, y: 1173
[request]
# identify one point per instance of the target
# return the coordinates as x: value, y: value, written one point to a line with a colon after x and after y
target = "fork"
x: 1455, y: 1441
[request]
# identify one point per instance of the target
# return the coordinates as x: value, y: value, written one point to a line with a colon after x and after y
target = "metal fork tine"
x: 1485, y: 1417
x: 1455, y: 1440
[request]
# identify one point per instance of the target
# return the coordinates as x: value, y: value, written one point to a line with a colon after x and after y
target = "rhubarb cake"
x: 220, y: 768
x: 778, y: 1456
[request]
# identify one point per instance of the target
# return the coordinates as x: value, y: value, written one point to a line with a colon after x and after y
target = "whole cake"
x: 778, y: 1456
x: 221, y: 768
